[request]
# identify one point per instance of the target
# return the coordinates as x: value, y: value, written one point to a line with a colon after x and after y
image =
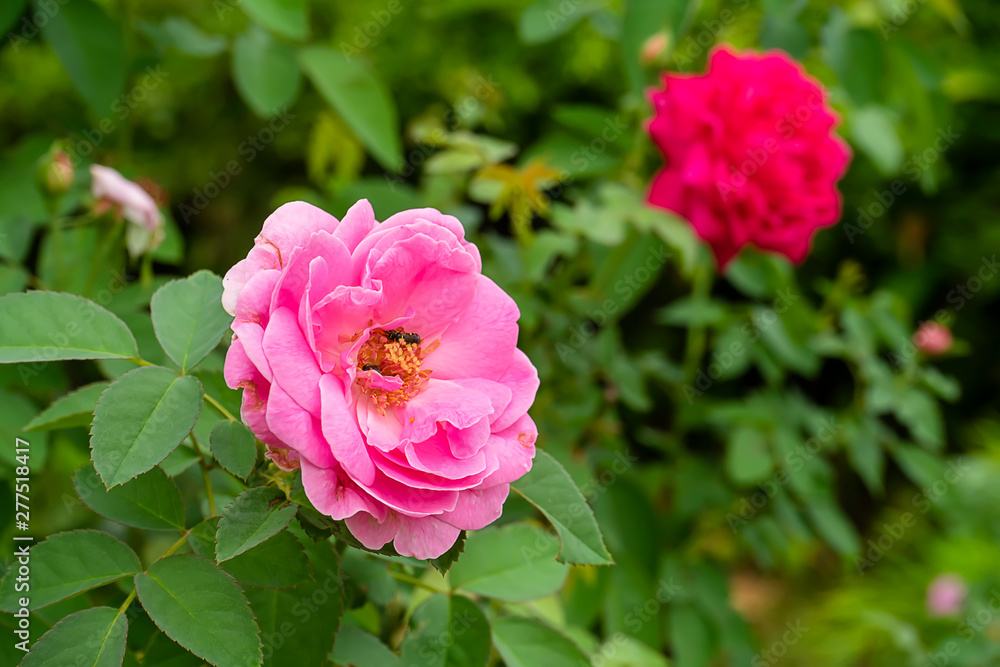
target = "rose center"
x: 393, y: 354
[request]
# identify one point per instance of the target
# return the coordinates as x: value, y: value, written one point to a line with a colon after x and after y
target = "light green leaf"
x: 74, y: 409
x: 189, y: 319
x: 515, y: 562
x: 265, y: 71
x: 449, y: 631
x: 234, y: 446
x: 201, y: 608
x: 285, y: 17
x: 360, y: 98
x: 46, y: 326
x: 255, y: 515
x: 140, y: 419
x: 356, y: 648
x: 69, y: 563
x: 748, y: 458
x: 92, y: 49
x: 873, y: 129
x: 549, y: 487
x: 151, y: 500
x: 544, y: 20
x: 523, y: 642
x: 93, y: 637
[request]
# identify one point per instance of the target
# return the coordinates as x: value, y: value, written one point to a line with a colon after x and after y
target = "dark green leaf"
x: 360, y: 98
x: 201, y: 608
x: 260, y: 566
x: 45, y: 326
x: 149, y: 501
x: 549, y: 487
x: 93, y: 637
x: 255, y: 515
x: 449, y: 631
x: 444, y: 562
x: 234, y: 446
x: 140, y: 419
x: 74, y: 409
x: 356, y: 648
x: 748, y: 458
x: 92, y: 49
x: 69, y: 563
x: 691, y: 637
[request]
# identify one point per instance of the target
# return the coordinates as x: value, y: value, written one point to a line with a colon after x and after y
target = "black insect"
x: 411, y: 338
x: 394, y: 336
x: 369, y: 367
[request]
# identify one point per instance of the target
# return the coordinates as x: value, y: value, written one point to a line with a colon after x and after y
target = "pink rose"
x: 946, y: 595
x: 751, y: 156
x: 378, y: 358
x: 933, y: 338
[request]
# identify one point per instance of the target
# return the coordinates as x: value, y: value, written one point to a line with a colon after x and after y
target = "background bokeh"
x: 789, y: 503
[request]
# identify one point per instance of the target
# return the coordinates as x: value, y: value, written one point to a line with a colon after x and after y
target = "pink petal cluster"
x: 933, y: 338
x: 751, y: 156
x: 137, y: 205
x: 946, y: 595
x: 378, y: 359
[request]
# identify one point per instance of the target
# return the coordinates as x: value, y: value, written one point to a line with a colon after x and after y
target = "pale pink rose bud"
x: 933, y: 338
x: 653, y: 47
x: 946, y: 595
x: 136, y: 205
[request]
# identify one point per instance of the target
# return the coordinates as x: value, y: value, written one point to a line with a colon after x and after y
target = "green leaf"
x: 285, y: 17
x: 833, y: 526
x: 46, y: 326
x: 234, y: 446
x: 201, y: 538
x: 256, y: 567
x: 255, y: 515
x: 549, y: 487
x: 150, y: 501
x: 265, y: 71
x: 449, y: 631
x: 515, y: 562
x: 179, y: 33
x: 523, y: 642
x: 691, y: 637
x: 93, y: 637
x: 748, y: 457
x: 69, y: 563
x: 643, y: 18
x: 360, y: 98
x: 873, y: 130
x: 189, y: 319
x: 74, y: 409
x: 356, y: 648
x: 92, y: 49
x: 544, y: 20
x: 201, y: 608
x: 691, y: 311
x: 444, y: 562
x: 140, y: 419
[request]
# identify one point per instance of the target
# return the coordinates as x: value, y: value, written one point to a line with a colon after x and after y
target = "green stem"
x: 128, y: 600
x: 218, y: 406
x: 205, y: 467
x: 413, y: 581
x: 697, y: 335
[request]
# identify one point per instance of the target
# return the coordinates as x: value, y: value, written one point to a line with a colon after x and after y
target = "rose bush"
x: 750, y: 154
x: 378, y: 358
